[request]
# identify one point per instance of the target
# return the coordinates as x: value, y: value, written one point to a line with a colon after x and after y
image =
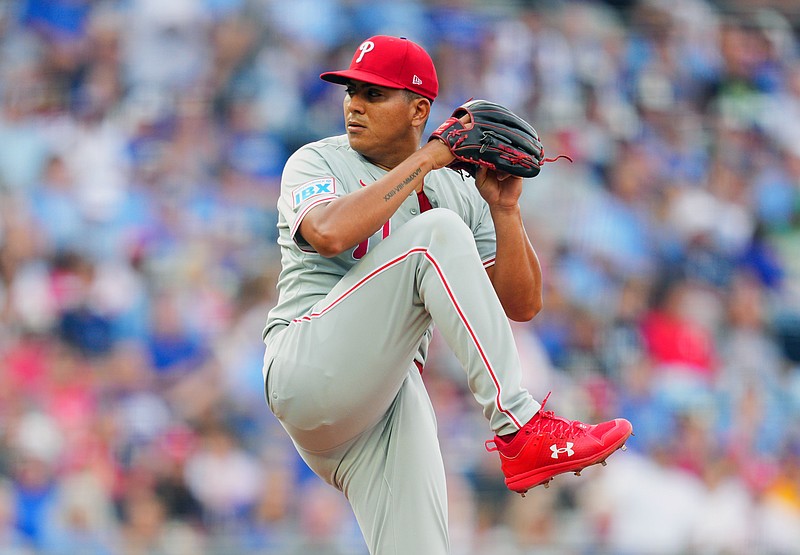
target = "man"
x: 379, y: 242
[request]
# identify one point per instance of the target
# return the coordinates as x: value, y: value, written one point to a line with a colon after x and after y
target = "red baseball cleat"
x: 549, y: 445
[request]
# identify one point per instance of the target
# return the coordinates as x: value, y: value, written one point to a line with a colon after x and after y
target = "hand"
x: 499, y: 189
x: 443, y: 157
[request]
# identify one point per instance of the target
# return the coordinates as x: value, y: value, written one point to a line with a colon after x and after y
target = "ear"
x: 421, y: 110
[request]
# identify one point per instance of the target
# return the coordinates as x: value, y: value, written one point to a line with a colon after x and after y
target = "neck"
x: 389, y: 158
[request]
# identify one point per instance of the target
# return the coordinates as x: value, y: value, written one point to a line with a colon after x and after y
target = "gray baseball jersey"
x: 322, y: 171
x: 345, y: 333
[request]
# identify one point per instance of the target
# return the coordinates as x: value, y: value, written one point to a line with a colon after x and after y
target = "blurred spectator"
x: 53, y: 207
x: 38, y: 444
x: 678, y: 341
x: 82, y: 520
x: 323, y: 524
x: 173, y: 349
x: 223, y: 476
x: 146, y: 528
x: 81, y: 322
x: 644, y: 504
x: 12, y: 540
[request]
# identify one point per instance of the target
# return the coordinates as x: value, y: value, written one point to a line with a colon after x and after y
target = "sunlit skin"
x: 381, y: 124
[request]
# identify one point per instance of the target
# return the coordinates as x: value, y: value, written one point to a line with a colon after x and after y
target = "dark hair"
x: 412, y: 96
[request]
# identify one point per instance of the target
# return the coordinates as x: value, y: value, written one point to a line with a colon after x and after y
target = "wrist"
x: 438, y: 152
x: 501, y: 210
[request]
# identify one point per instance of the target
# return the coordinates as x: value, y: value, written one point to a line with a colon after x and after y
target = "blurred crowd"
x: 141, y: 146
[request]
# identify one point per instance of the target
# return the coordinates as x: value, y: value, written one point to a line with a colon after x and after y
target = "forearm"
x: 516, y: 274
x: 360, y: 214
x: 348, y: 220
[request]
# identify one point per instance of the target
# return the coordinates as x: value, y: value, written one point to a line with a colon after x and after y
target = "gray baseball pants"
x: 342, y: 381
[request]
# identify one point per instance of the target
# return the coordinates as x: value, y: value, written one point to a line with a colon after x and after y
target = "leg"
x: 393, y: 477
x: 335, y: 371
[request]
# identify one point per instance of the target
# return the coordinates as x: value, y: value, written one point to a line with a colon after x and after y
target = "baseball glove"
x: 496, y: 138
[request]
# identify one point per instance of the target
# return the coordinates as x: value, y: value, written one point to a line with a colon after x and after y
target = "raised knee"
x: 444, y: 224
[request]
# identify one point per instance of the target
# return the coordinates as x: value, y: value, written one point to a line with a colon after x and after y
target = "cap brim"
x: 342, y: 77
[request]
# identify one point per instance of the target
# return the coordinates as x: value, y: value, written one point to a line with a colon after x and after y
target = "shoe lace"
x: 556, y: 426
x: 546, y: 422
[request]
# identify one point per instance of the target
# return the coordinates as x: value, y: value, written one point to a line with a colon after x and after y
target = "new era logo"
x: 416, y: 80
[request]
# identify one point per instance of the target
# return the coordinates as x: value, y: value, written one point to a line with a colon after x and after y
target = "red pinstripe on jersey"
x: 395, y: 261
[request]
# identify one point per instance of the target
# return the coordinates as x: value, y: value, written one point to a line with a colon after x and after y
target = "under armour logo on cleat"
x: 556, y: 451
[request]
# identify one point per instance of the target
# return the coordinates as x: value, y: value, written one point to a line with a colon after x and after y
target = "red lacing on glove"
x: 461, y: 138
x: 554, y: 159
x: 517, y: 159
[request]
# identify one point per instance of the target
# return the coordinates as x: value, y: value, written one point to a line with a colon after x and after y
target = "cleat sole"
x: 522, y: 483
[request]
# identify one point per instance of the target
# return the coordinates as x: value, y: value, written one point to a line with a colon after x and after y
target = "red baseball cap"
x: 394, y: 62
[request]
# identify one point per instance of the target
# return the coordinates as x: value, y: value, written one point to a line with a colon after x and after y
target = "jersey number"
x: 363, y: 246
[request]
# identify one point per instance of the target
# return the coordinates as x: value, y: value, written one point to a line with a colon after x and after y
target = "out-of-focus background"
x: 141, y: 145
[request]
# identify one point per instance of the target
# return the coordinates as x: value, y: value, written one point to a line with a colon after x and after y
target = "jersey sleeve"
x: 307, y: 182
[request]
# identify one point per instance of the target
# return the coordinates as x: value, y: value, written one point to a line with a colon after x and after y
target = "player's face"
x: 378, y: 121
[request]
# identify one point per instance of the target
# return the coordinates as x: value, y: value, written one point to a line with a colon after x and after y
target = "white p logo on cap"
x: 365, y: 47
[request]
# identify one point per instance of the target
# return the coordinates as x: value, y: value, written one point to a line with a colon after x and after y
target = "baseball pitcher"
x: 381, y: 239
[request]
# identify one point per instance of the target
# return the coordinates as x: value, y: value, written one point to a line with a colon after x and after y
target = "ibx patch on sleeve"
x: 325, y: 186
